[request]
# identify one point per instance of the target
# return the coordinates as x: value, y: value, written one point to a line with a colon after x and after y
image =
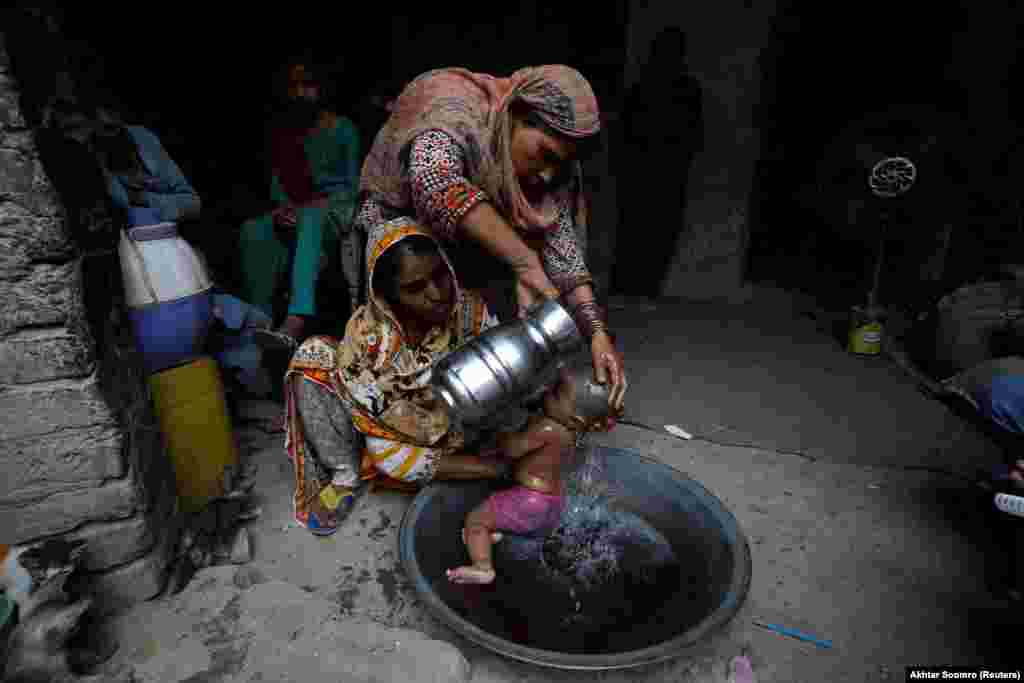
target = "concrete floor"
x: 815, y: 453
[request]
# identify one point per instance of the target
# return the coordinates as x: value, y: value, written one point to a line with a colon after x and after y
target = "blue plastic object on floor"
x: 239, y: 351
x: 173, y: 333
x: 1002, y: 401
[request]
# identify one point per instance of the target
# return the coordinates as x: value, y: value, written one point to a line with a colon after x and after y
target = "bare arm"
x: 608, y: 362
x: 437, y: 172
x: 445, y: 199
x: 484, y: 225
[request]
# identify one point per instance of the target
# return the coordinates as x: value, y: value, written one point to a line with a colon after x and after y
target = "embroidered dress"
x: 445, y: 149
x: 442, y: 195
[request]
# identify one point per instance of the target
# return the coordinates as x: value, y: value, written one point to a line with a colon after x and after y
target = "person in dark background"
x: 141, y: 177
x: 663, y: 128
x: 314, y: 155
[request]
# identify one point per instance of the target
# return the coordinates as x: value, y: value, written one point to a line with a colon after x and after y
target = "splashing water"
x: 603, y: 570
x: 579, y: 551
x: 596, y: 549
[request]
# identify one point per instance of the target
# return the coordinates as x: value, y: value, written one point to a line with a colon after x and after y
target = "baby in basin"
x: 573, y: 405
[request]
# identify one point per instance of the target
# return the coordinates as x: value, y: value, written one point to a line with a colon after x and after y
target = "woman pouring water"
x: 492, y: 163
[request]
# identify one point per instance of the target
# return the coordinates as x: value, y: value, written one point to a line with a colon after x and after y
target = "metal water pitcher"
x: 505, y: 364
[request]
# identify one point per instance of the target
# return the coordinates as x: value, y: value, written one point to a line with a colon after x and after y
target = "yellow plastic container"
x: 866, y: 331
x: 190, y: 405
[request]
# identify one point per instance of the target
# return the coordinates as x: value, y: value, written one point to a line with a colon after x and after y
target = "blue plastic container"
x: 142, y: 215
x: 172, y: 333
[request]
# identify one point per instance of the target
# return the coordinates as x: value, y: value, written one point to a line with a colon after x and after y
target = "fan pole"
x: 877, y: 278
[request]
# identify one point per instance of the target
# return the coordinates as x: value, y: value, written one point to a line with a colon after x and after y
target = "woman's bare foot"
x: 471, y: 574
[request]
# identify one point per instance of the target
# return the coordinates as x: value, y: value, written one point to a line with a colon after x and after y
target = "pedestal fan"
x: 889, y: 178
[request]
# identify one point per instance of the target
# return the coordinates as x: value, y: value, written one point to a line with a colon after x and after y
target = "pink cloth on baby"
x: 521, y: 510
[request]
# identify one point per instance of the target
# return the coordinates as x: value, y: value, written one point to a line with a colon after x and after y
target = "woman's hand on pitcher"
x: 532, y: 287
x: 609, y: 367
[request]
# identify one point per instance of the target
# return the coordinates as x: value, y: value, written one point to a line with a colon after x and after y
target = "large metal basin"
x: 515, y: 616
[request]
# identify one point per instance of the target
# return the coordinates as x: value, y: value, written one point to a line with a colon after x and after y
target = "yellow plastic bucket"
x: 193, y: 414
x: 866, y: 331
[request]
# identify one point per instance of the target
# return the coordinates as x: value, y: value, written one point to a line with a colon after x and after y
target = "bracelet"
x: 589, y: 318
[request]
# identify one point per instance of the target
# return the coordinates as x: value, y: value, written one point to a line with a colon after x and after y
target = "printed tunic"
x: 442, y: 196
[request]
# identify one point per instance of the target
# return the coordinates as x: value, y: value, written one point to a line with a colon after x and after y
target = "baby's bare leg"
x: 478, y: 534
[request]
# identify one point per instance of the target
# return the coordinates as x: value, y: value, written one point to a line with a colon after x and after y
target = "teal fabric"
x: 311, y: 241
x: 333, y: 155
x: 334, y: 158
x: 7, y: 606
x: 263, y: 258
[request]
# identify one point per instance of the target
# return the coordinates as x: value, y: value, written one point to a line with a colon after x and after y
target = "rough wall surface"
x: 602, y: 194
x: 724, y: 45
x: 79, y: 452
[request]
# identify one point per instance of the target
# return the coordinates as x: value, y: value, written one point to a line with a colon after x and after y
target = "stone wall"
x: 80, y: 455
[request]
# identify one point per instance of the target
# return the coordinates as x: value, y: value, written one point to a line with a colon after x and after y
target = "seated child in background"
x: 575, y: 404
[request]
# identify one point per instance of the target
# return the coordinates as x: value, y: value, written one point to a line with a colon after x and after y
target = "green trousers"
x: 265, y: 260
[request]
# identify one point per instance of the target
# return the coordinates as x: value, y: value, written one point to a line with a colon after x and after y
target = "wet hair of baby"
x: 591, y: 397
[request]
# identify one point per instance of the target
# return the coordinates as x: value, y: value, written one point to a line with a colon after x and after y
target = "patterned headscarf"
x: 385, y: 379
x: 474, y: 109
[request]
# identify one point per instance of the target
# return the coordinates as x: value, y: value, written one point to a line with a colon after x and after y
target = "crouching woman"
x: 363, y: 408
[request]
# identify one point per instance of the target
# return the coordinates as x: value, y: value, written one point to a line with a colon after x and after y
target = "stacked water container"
x: 167, y: 290
x: 170, y: 303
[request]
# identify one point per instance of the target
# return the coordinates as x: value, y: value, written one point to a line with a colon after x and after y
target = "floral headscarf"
x: 474, y: 109
x: 383, y: 378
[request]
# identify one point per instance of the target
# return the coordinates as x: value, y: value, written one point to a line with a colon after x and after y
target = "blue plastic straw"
x: 792, y: 633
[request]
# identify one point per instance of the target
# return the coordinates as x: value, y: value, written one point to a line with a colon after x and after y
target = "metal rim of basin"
x: 672, y: 648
